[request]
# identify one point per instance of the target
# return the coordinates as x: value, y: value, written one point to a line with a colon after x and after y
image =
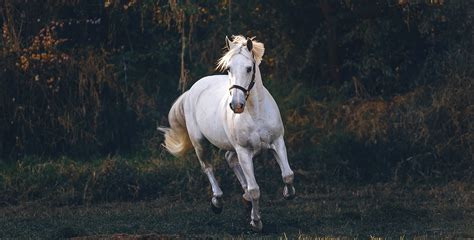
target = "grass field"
x: 365, y: 211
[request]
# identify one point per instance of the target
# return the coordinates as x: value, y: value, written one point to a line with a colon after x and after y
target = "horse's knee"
x: 207, y: 169
x: 254, y: 194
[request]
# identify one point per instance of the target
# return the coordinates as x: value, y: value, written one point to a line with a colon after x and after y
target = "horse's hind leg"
x: 233, y: 161
x: 203, y: 152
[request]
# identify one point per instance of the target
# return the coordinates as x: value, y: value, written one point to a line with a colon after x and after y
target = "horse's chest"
x: 258, y: 137
x: 265, y: 135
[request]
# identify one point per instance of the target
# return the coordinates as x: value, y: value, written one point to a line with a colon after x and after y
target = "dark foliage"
x: 368, y: 89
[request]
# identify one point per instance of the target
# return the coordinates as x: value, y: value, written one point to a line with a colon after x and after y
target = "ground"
x: 368, y: 211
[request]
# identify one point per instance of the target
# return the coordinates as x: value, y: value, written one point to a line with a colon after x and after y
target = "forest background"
x: 369, y: 91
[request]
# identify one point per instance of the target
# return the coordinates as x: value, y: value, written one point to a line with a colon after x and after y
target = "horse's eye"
x: 249, y: 69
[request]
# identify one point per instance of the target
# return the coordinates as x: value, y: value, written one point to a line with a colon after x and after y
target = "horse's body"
x: 201, y: 117
x: 212, y: 117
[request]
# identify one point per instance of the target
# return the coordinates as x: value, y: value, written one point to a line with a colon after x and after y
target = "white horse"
x: 234, y: 112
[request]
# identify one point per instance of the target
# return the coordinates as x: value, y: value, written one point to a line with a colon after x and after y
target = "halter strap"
x: 247, y: 91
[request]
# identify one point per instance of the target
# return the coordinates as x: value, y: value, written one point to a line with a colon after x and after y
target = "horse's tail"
x: 176, y: 137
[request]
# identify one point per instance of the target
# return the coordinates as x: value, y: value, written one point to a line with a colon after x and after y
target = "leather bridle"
x: 247, y: 91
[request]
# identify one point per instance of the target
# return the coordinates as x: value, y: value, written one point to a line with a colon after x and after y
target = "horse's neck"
x: 257, y: 95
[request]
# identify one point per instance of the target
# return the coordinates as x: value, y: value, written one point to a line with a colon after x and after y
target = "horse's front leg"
x: 279, y: 152
x: 245, y: 157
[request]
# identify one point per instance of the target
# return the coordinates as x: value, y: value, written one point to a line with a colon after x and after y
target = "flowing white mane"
x: 238, y: 44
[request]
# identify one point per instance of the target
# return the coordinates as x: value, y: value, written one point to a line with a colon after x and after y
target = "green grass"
x: 378, y: 210
x: 65, y: 181
x: 152, y: 197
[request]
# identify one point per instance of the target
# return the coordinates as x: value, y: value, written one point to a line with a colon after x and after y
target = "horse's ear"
x: 228, y: 43
x: 249, y: 44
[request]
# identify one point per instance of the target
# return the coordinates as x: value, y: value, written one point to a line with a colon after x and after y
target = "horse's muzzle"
x: 237, y: 107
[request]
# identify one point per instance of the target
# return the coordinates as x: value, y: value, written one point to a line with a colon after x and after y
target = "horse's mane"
x: 239, y: 42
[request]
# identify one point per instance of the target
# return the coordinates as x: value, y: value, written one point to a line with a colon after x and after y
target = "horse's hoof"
x: 216, y: 205
x: 289, y: 192
x: 247, y: 204
x: 257, y: 226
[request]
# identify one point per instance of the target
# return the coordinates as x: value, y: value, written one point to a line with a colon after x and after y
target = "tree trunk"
x: 328, y: 12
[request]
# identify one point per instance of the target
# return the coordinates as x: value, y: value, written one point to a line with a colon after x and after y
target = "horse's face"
x: 241, y: 72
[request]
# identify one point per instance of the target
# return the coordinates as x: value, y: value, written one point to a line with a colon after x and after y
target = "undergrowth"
x: 423, y: 135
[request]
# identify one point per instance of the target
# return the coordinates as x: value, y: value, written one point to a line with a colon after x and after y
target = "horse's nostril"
x: 236, y: 107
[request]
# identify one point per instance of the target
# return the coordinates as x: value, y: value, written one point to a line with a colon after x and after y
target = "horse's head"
x: 241, y: 63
